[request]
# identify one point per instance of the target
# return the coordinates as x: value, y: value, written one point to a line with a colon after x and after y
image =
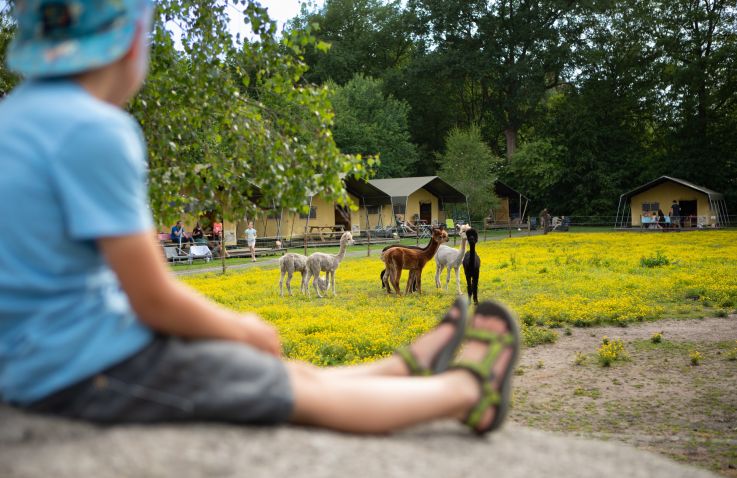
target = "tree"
x: 225, y: 116
x: 504, y: 55
x: 698, y: 70
x: 7, y: 28
x: 370, y: 37
x: 369, y: 123
x: 470, y: 166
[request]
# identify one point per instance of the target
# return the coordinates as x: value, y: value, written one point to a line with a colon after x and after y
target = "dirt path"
x: 656, y: 400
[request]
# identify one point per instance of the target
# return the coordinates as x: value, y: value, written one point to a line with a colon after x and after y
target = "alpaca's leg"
x: 306, y: 282
x: 438, y: 271
x: 396, y: 277
x: 410, y: 279
x: 476, y: 286
x: 315, y: 283
x: 281, y: 280
x: 447, y: 278
x: 332, y: 275
x: 289, y: 281
x: 418, y: 280
x: 458, y: 278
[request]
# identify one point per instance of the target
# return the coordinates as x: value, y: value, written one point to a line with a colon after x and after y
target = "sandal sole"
x: 489, y: 308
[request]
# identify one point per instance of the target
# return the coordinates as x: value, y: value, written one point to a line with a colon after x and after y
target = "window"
x: 313, y: 213
x: 399, y: 209
x: 650, y: 206
x: 372, y: 209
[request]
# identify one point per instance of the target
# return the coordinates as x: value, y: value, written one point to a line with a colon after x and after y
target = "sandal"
x: 483, y: 369
x: 442, y: 359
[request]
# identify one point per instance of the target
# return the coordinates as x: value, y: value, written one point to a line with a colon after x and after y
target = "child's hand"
x: 260, y: 334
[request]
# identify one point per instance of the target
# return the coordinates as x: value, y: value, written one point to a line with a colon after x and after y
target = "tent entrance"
x: 343, y: 217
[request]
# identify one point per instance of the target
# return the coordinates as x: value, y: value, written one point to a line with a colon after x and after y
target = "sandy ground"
x: 655, y: 401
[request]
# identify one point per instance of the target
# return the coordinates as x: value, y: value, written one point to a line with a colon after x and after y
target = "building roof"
x: 713, y: 195
x: 369, y: 194
x: 502, y: 190
x: 403, y: 187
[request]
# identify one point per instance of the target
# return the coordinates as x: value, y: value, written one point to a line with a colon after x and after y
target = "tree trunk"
x: 510, y: 133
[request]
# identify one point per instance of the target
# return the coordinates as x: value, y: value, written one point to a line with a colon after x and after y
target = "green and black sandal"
x: 442, y: 359
x: 483, y: 369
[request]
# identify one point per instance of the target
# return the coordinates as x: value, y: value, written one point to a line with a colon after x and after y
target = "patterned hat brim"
x: 36, y: 59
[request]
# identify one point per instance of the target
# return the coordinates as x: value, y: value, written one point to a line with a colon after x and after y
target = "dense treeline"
x: 580, y: 100
x: 571, y: 102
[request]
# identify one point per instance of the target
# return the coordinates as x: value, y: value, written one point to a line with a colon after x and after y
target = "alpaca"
x: 290, y: 263
x: 471, y: 265
x: 328, y: 263
x: 399, y: 258
x: 382, y: 274
x: 450, y: 258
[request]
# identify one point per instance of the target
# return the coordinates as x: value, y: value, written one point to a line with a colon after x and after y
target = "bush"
x: 656, y: 338
x: 580, y: 358
x: 658, y: 260
x: 611, y: 351
x: 695, y: 357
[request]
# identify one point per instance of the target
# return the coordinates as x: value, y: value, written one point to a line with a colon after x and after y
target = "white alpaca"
x: 328, y: 263
x: 290, y: 263
x: 452, y: 259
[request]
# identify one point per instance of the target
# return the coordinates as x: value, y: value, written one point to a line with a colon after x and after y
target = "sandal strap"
x: 489, y: 398
x: 406, y: 354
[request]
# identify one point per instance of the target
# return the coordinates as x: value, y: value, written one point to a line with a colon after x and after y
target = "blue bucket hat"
x: 64, y: 37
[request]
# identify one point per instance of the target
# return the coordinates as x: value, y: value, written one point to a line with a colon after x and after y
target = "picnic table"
x: 327, y: 231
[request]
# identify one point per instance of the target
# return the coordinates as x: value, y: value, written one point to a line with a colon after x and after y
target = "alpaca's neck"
x: 431, y: 248
x: 462, y: 250
x: 472, y: 251
x: 341, y: 253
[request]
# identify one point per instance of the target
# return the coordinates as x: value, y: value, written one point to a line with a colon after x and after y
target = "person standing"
x: 251, y: 240
x: 545, y: 220
x: 675, y: 214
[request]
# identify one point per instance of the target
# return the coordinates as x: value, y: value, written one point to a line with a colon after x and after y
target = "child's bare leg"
x: 373, y: 404
x: 378, y: 404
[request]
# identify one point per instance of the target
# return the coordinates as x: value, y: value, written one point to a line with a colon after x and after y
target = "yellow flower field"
x: 579, y: 279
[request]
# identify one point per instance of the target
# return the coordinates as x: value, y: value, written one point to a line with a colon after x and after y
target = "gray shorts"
x: 174, y: 380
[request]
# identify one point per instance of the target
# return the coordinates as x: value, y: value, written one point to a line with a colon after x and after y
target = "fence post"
x: 484, y: 230
x: 509, y: 226
x: 368, y: 242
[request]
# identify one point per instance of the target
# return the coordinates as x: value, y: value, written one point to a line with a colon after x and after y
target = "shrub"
x: 656, y: 338
x: 580, y: 358
x: 695, y: 357
x: 732, y: 354
x: 611, y: 351
x: 658, y: 260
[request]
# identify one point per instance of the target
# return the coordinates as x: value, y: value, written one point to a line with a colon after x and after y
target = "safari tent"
x: 427, y: 198
x: 700, y: 206
x: 512, y: 205
x: 277, y: 223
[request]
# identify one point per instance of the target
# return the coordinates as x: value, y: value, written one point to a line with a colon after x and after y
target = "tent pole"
x: 307, y: 223
x: 616, y: 219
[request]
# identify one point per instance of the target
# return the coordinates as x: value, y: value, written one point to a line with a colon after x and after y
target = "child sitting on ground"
x: 96, y: 328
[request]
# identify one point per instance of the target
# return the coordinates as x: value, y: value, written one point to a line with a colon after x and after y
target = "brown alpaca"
x: 399, y: 258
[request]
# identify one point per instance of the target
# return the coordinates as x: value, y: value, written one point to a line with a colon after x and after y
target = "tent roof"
x: 502, y: 190
x: 366, y: 191
x: 713, y: 195
x: 403, y: 187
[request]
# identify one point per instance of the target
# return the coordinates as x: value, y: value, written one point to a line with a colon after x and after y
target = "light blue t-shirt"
x: 250, y: 234
x: 72, y: 169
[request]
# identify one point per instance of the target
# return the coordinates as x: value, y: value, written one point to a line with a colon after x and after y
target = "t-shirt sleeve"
x: 101, y: 180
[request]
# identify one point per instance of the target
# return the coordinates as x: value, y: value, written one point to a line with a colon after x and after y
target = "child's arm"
x: 170, y: 307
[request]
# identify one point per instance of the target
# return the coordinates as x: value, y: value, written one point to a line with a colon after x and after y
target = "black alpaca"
x: 381, y: 275
x: 471, y: 265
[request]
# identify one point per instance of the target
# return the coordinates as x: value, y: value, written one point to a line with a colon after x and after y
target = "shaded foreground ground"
x: 40, y: 447
x: 655, y: 400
